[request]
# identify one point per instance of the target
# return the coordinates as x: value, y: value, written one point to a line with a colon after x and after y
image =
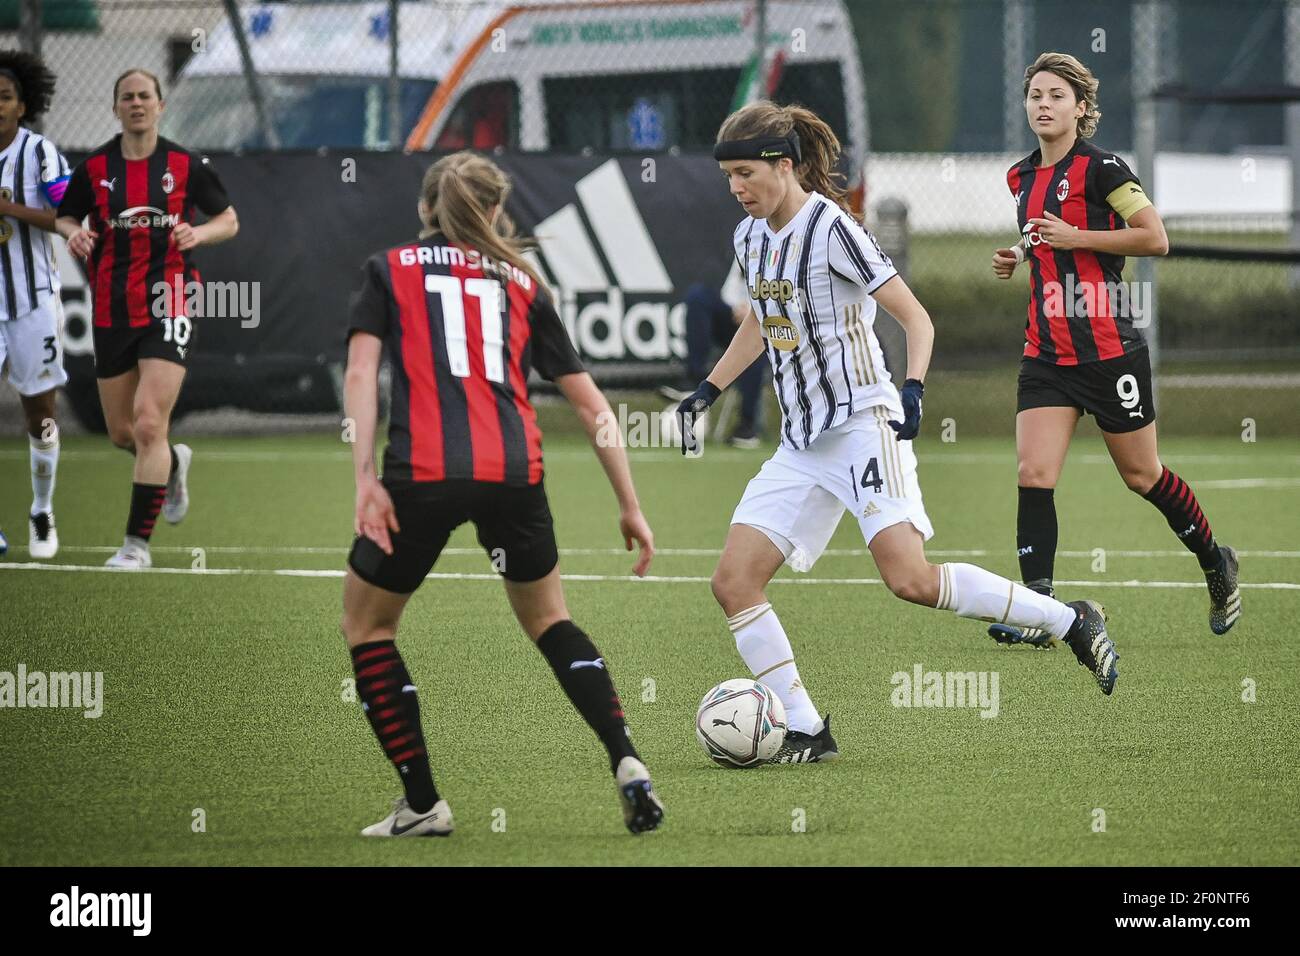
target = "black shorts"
x: 1117, y: 392
x: 514, y: 527
x: 120, y: 348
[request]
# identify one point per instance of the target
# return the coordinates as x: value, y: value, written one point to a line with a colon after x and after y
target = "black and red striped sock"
x: 582, y: 673
x: 146, y: 502
x: 389, y: 700
x: 1177, y: 502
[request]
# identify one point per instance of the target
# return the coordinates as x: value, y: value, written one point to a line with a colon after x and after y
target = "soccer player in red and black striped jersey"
x: 1081, y: 212
x: 463, y: 318
x: 140, y: 193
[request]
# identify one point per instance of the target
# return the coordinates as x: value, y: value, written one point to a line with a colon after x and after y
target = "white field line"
x: 1249, y: 483
x: 664, y: 552
x: 648, y: 579
x: 729, y: 456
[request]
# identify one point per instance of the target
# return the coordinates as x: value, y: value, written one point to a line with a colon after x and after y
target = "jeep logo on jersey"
x: 779, y: 290
x: 781, y: 332
x: 144, y: 217
x: 1062, y: 189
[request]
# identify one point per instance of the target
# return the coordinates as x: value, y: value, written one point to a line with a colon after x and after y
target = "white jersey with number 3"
x: 810, y: 284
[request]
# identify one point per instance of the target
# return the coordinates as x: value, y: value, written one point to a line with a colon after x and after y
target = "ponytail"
x: 459, y: 191
x: 819, y: 147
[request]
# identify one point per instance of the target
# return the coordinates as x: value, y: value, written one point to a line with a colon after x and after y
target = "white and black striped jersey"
x: 32, y: 173
x: 810, y: 285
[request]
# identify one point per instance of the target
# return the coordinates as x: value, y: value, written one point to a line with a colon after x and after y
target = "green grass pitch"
x: 225, y: 692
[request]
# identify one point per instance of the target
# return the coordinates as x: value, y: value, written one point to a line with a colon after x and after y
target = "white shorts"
x: 31, y: 348
x: 798, y: 496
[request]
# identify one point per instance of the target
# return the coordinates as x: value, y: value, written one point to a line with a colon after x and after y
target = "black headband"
x: 18, y: 84
x: 765, y: 147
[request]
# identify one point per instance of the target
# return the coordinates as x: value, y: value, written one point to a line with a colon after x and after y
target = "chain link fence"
x: 926, y: 95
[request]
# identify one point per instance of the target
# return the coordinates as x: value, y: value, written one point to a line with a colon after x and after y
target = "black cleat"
x: 808, y: 748
x: 1092, y: 645
x: 1225, y: 595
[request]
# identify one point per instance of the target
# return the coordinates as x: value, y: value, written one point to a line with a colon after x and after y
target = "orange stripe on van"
x: 441, y: 97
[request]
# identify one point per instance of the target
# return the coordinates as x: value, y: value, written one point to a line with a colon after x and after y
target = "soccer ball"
x: 741, y: 723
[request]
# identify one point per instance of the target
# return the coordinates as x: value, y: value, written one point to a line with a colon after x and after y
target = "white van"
x: 605, y: 76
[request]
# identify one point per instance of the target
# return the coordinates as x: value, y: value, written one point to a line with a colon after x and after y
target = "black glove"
x: 910, y: 426
x: 694, y: 405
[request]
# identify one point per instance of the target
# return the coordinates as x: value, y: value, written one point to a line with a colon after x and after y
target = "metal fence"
x: 926, y: 94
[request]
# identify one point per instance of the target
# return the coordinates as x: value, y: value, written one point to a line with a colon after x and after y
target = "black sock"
x: 146, y: 502
x: 394, y: 715
x: 589, y: 686
x: 1036, y: 536
x: 1177, y: 502
x: 175, y: 462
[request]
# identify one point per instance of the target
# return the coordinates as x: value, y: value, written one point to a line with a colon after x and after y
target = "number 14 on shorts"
x: 870, y: 478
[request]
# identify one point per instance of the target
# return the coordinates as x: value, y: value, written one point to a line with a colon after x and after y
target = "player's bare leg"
x: 1042, y: 440
x: 749, y: 561
x: 43, y: 442
x: 1138, y: 461
x: 389, y: 698
x: 584, y: 676
x: 970, y: 591
x: 117, y: 398
x: 157, y: 385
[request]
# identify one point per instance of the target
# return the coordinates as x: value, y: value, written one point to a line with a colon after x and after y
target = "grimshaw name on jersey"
x: 810, y: 284
x: 462, y: 331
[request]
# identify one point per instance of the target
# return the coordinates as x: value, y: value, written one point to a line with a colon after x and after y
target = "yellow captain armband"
x: 1128, y: 199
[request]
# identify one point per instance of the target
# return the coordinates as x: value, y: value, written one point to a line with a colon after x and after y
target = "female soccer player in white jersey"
x: 1081, y: 211
x: 815, y: 276
x: 33, y: 176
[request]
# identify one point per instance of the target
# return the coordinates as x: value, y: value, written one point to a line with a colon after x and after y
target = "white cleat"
x: 132, y: 556
x: 403, y: 821
x: 42, y: 536
x: 642, y: 808
x: 177, y: 501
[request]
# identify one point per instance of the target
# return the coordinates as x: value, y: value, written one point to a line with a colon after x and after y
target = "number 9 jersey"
x: 461, y: 331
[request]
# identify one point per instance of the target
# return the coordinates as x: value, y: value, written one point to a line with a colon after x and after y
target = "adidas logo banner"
x: 620, y: 241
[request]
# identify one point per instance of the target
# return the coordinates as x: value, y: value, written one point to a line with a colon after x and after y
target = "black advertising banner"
x: 621, y: 239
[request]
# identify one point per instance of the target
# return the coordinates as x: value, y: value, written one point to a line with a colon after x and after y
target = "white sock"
x: 762, y: 643
x: 45, y: 462
x: 969, y: 591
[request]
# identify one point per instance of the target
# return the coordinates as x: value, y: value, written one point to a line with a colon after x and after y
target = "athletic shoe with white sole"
x: 1225, y: 595
x: 177, y: 501
x: 4, y: 543
x: 403, y: 821
x: 1040, y: 640
x: 642, y: 808
x: 1091, y: 644
x: 132, y: 556
x: 42, y: 537
x: 808, y: 748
